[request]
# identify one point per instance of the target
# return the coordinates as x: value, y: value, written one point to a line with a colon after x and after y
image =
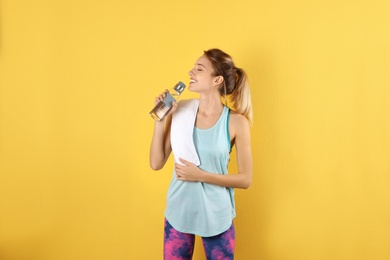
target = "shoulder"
x: 238, y: 124
x: 238, y: 120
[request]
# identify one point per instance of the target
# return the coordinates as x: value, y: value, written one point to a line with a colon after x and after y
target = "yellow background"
x: 78, y: 78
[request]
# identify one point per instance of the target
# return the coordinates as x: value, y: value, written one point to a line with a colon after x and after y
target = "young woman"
x: 201, y: 133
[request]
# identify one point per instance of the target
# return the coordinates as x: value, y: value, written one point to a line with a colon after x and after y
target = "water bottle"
x: 162, y: 108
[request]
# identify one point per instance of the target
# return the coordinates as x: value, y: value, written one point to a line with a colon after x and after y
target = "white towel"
x: 182, y: 129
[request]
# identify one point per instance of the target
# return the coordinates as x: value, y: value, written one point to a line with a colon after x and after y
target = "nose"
x: 190, y: 72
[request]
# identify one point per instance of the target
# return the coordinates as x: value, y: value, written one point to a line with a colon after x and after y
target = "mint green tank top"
x: 201, y: 208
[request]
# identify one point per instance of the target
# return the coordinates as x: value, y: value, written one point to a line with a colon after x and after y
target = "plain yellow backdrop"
x: 78, y: 79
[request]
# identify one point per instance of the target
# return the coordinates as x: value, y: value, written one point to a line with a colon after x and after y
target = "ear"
x: 218, y: 80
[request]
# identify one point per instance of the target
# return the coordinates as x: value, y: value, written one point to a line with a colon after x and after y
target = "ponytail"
x: 235, y: 83
x: 241, y: 96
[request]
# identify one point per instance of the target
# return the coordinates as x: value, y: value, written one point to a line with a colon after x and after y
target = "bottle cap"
x: 180, y: 87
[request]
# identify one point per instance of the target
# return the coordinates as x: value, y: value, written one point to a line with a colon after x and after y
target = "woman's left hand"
x: 188, y: 171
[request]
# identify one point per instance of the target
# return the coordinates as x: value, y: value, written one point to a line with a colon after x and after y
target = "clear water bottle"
x: 162, y: 108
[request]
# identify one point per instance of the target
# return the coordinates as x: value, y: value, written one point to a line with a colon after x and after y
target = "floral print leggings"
x: 180, y: 246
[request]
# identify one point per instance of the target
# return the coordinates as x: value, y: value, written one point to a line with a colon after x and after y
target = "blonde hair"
x: 235, y: 83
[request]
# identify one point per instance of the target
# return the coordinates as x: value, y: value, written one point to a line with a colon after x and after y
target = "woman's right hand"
x: 160, y: 148
x: 161, y: 98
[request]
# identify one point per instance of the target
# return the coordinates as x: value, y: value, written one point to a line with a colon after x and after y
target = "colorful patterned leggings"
x: 180, y: 246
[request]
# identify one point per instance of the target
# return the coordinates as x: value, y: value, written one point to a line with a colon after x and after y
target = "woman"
x: 200, y: 198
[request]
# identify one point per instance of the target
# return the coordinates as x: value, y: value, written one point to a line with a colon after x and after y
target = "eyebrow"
x: 200, y: 65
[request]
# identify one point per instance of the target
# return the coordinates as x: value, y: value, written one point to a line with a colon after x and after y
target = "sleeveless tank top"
x: 201, y: 208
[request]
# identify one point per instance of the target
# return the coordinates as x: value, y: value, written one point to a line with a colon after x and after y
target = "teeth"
x: 192, y: 81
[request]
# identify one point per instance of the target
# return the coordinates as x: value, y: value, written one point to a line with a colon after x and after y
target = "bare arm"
x: 239, y: 129
x: 160, y: 147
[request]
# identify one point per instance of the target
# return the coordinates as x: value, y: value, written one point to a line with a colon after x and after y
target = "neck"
x: 210, y: 105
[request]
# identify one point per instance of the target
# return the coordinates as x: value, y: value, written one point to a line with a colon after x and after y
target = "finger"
x: 173, y: 108
x: 179, y: 169
x: 160, y: 97
x: 157, y: 100
x: 187, y: 163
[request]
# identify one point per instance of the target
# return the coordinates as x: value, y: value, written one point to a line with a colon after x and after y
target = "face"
x: 201, y: 76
